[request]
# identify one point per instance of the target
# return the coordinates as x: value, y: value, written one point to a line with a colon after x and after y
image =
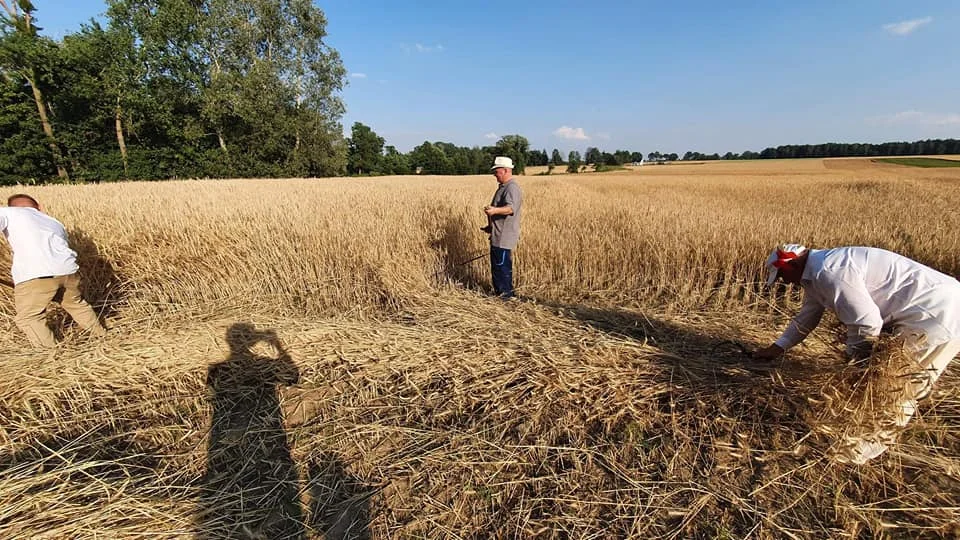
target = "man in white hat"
x: 503, y: 226
x: 43, y: 265
x: 868, y: 289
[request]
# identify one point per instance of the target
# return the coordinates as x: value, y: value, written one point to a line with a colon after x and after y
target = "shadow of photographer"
x: 252, y: 487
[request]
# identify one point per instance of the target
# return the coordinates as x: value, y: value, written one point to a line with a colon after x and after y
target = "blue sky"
x: 642, y: 76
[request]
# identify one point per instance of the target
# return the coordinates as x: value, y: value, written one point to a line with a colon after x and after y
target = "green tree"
x: 556, y: 158
x: 515, y: 147
x: 97, y: 98
x: 394, y: 162
x: 24, y: 153
x: 364, y: 150
x: 573, y: 161
x: 429, y: 158
x: 253, y: 81
x: 26, y: 55
x: 593, y: 156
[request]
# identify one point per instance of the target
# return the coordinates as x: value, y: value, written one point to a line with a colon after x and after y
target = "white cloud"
x: 359, y: 75
x: 917, y: 118
x: 905, y: 28
x: 492, y: 136
x: 421, y: 48
x: 571, y: 134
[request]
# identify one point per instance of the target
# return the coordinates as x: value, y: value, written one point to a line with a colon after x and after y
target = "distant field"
x: 293, y: 358
x: 922, y: 162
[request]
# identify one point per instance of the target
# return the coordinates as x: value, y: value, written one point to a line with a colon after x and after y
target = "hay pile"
x: 459, y: 417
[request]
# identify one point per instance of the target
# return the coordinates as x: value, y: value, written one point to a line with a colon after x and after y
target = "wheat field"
x: 312, y: 359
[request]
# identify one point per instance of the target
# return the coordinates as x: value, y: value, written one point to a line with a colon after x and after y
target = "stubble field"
x: 309, y: 358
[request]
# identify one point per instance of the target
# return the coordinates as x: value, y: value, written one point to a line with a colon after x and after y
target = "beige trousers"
x: 32, y: 298
x: 934, y: 362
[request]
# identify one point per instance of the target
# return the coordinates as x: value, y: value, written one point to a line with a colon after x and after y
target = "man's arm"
x: 498, y: 210
x: 511, y: 200
x: 799, y: 328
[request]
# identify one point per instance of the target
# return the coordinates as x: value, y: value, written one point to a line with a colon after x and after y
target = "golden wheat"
x: 308, y: 358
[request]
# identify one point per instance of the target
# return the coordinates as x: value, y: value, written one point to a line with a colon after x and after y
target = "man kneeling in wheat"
x: 868, y: 289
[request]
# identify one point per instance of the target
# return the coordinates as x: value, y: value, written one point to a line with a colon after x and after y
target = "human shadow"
x: 713, y: 364
x: 339, y: 502
x: 101, y: 286
x: 251, y: 486
x: 461, y: 262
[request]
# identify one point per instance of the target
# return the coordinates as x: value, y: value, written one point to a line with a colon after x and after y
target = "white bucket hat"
x: 779, y: 256
x: 502, y: 162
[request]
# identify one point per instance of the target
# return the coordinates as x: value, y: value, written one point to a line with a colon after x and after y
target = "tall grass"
x: 335, y: 246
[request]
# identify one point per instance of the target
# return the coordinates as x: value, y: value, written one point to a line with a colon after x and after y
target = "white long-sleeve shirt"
x: 38, y: 242
x: 869, y: 288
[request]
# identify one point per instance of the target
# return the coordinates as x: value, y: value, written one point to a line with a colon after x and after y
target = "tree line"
x: 791, y: 151
x: 171, y: 89
x: 368, y: 154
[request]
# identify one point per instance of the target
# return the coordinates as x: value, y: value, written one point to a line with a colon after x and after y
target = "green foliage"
x: 556, y: 158
x: 593, y: 156
x: 448, y: 159
x: 573, y: 162
x: 794, y: 151
x: 24, y: 154
x: 364, y: 150
x: 198, y: 88
x: 537, y: 158
x: 393, y: 162
x: 515, y: 147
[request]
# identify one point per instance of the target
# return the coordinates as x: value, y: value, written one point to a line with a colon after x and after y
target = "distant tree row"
x: 173, y: 88
x: 368, y: 154
x: 790, y: 151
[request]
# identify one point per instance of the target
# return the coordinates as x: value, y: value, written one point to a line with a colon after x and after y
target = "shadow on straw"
x: 251, y: 488
x: 339, y: 502
x: 459, y: 254
x: 706, y: 363
x: 251, y: 485
x: 101, y: 286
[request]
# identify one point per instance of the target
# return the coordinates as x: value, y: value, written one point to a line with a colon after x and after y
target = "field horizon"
x: 312, y: 358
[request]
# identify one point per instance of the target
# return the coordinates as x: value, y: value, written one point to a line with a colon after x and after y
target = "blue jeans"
x: 501, y: 266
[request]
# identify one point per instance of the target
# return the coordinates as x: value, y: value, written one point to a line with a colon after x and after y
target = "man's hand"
x: 769, y: 353
x: 490, y: 210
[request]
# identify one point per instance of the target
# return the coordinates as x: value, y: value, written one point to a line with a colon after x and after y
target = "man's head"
x: 23, y: 201
x: 787, y: 262
x: 502, y: 168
